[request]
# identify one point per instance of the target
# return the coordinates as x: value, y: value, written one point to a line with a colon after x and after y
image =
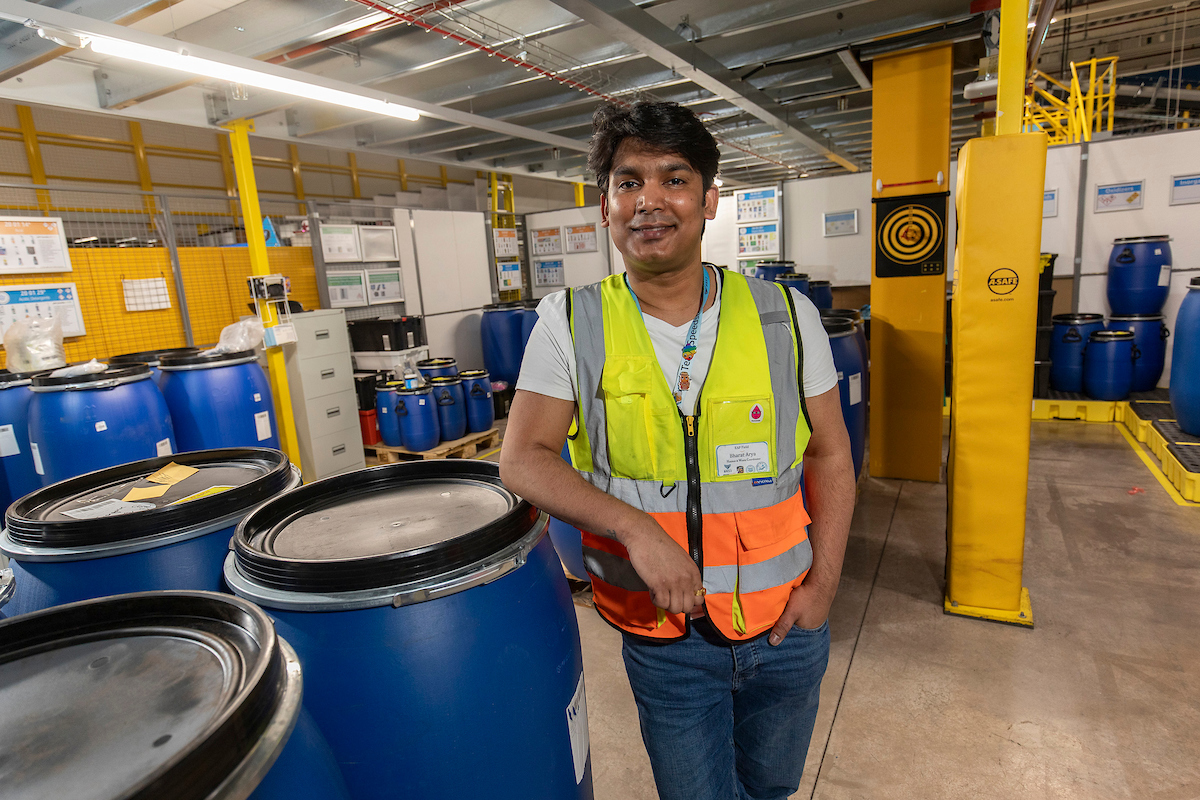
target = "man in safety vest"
x: 690, y: 398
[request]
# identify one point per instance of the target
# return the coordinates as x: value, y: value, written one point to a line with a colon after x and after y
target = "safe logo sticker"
x: 756, y: 413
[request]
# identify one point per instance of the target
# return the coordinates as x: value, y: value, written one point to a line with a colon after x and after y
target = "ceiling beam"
x: 856, y: 70
x: 632, y: 25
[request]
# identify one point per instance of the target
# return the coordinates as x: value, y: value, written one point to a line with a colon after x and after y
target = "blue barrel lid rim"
x: 126, y: 373
x: 837, y: 326
x: 1137, y: 239
x: 445, y: 380
x: 507, y: 306
x: 473, y: 374
x: 819, y: 283
x: 1111, y: 336
x: 414, y: 390
x: 151, y: 357
x: 441, y: 361
x: 204, y: 360
x: 27, y: 520
x: 262, y: 676
x: 10, y: 379
x: 1077, y: 319
x: 253, y: 543
x: 1135, y: 317
x: 794, y: 276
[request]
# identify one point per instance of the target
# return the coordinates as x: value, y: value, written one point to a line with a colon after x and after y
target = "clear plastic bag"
x: 33, y: 344
x: 75, y: 371
x: 244, y: 335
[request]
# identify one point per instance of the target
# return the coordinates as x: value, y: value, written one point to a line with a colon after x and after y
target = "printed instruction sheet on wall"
x: 44, y: 300
x: 757, y: 205
x: 547, y: 241
x: 581, y: 238
x: 33, y: 244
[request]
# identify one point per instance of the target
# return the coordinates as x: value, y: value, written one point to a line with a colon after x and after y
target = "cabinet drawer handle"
x: 326, y: 373
x: 322, y: 334
x: 341, y: 448
x: 333, y: 412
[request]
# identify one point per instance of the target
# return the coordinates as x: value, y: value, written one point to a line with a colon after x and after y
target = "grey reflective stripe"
x: 613, y: 570
x: 776, y: 316
x: 778, y: 571
x: 587, y: 331
x: 719, y: 497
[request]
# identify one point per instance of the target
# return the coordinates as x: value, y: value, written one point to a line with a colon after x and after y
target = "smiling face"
x: 655, y: 208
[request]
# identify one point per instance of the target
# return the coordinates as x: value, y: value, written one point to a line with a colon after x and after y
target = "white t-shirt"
x: 549, y: 364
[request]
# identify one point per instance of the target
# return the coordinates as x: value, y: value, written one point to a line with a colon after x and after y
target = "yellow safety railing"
x: 1073, y: 114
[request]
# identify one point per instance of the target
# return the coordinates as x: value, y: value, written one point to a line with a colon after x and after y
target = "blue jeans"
x: 727, y: 723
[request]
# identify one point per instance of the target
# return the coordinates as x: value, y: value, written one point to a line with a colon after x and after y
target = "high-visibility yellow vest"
x: 725, y: 483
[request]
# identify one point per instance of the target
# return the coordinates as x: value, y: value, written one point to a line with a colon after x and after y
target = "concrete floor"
x: 1101, y: 700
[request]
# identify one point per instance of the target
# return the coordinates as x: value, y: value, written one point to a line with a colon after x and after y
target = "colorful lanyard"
x: 682, y: 379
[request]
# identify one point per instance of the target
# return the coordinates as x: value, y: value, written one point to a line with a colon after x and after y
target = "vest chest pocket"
x: 643, y: 425
x: 740, y: 439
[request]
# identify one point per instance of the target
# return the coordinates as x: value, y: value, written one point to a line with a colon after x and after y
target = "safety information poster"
x: 33, y: 244
x: 758, y: 240
x: 347, y: 289
x: 841, y: 223
x: 505, y: 242
x: 581, y: 238
x: 1120, y: 196
x: 340, y: 243
x: 44, y: 300
x: 547, y: 242
x: 384, y: 286
x: 548, y: 273
x: 1049, y: 203
x: 1185, y: 189
x: 756, y: 205
x: 508, y: 274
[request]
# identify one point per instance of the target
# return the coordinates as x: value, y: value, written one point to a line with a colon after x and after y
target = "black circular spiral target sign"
x: 910, y: 236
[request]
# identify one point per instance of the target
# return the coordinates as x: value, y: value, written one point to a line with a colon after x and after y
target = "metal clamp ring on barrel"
x: 81, y: 387
x: 208, y: 365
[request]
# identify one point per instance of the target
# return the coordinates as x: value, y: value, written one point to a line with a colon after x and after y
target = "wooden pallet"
x: 466, y: 447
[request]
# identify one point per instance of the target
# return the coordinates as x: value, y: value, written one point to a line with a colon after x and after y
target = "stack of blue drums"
x: 1068, y: 342
x: 436, y: 633
x: 821, y: 293
x: 1108, y: 365
x: 135, y: 527
x: 477, y: 386
x: 1185, y: 362
x: 795, y: 280
x: 87, y: 422
x: 437, y: 367
x: 1139, y: 275
x: 161, y: 694
x: 18, y: 473
x: 451, y: 406
x: 219, y: 400
x: 860, y: 337
x: 151, y: 358
x: 847, y: 359
x: 504, y: 334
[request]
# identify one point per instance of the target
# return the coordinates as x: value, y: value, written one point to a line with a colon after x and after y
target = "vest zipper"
x: 694, y: 517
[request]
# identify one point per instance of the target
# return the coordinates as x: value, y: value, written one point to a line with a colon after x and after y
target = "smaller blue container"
x: 219, y: 400
x: 502, y: 335
x: 1150, y: 338
x: 847, y: 359
x: 151, y: 358
x: 821, y: 293
x: 438, y: 368
x: 1108, y: 365
x: 529, y: 318
x: 452, y: 406
x: 385, y: 413
x: 1068, y: 342
x: 1185, y: 362
x: 770, y: 270
x: 477, y: 385
x: 1139, y: 275
x: 418, y: 413
x: 795, y: 280
x: 19, y: 474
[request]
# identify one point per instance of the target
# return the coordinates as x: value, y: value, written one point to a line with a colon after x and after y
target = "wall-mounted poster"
x: 347, y: 289
x: 378, y: 243
x: 547, y: 241
x: 757, y: 205
x: 758, y: 240
x: 1049, y: 203
x: 33, y: 244
x: 44, y: 300
x: 548, y: 273
x: 1185, y: 189
x: 508, y: 275
x: 340, y: 243
x: 1120, y: 196
x: 505, y: 242
x: 384, y: 286
x: 841, y: 223
x: 582, y: 238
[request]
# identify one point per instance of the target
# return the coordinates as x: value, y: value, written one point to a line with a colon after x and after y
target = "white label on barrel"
x: 163, y: 447
x: 383, y: 410
x: 37, y: 459
x: 1164, y: 275
x: 107, y: 508
x: 257, y: 397
x: 262, y: 425
x: 577, y: 727
x: 421, y: 401
x: 101, y: 426
x: 8, y: 442
x: 856, y: 388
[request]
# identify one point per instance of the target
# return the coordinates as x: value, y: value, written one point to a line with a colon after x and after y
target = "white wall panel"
x: 473, y: 262
x: 579, y: 269
x: 456, y: 335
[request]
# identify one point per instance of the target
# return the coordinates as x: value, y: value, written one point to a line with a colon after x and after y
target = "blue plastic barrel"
x: 529, y: 318
x: 1139, y: 275
x: 185, y: 695
x: 502, y: 331
x: 385, y: 413
x: 438, y: 367
x: 1067, y: 345
x: 477, y: 386
x: 219, y: 400
x: 568, y: 541
x: 436, y: 632
x: 821, y: 293
x: 420, y: 428
x: 1150, y: 338
x: 20, y: 475
x: 452, y: 407
x: 151, y: 358
x: 794, y: 280
x: 1108, y: 365
x: 89, y: 422
x: 82, y: 538
x: 769, y: 270
x: 847, y: 359
x: 1185, y: 362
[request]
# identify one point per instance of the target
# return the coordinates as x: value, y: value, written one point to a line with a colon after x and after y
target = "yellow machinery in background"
x: 1079, y: 112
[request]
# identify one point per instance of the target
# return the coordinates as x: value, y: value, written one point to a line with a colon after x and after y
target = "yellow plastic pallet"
x: 1085, y: 410
x: 1156, y: 443
x: 1188, y: 483
x: 1139, y: 427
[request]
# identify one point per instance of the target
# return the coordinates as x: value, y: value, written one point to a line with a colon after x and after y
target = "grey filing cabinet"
x: 324, y: 404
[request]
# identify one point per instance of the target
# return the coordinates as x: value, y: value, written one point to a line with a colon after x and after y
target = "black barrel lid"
x: 1135, y: 317
x: 819, y: 283
x: 1194, y: 283
x: 151, y: 357
x: 509, y: 306
x: 837, y: 326
x: 775, y: 262
x: 1110, y: 336
x: 445, y: 380
x: 390, y: 386
x: 1077, y: 319
x: 395, y: 524
x: 414, y: 390
x: 138, y: 696
x: 1135, y: 239
x: 793, y: 276
x: 848, y: 313
x: 111, y: 373
x: 473, y: 374
x: 9, y: 379
x: 442, y: 361
x: 199, y: 358
x: 91, y: 510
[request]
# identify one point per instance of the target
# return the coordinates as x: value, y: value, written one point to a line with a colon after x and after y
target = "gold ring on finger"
x: 701, y: 592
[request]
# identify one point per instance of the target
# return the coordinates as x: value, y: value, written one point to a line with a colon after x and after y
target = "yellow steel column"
x: 579, y: 201
x: 403, y: 174
x: 354, y: 186
x: 33, y: 154
x: 228, y: 176
x: 1010, y: 95
x: 143, y: 164
x: 297, y: 176
x: 243, y: 165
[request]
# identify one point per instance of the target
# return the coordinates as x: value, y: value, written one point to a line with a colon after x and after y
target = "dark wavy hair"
x: 665, y: 127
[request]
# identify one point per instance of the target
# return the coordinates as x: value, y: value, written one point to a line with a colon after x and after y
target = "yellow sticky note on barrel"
x: 172, y: 474
x: 209, y: 492
x: 144, y: 493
